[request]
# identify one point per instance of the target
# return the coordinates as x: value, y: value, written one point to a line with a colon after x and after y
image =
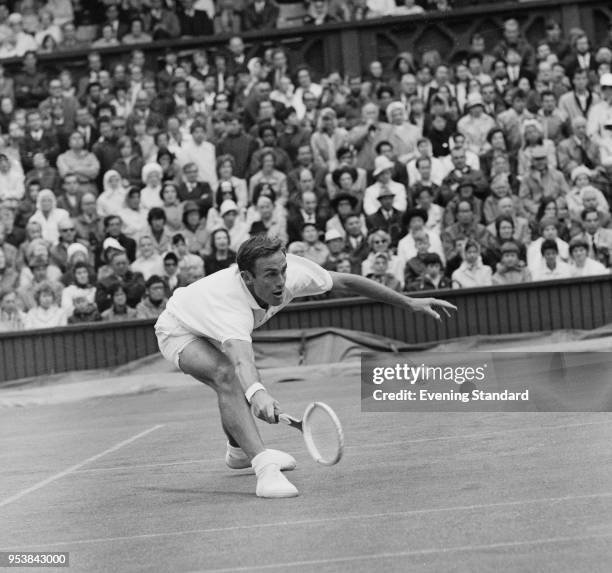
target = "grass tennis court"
x: 138, y: 483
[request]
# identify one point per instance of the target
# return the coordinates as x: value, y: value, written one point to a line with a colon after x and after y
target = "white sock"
x: 261, y: 460
x: 236, y: 450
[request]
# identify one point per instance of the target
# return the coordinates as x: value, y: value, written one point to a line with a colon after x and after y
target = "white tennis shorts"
x: 172, y: 337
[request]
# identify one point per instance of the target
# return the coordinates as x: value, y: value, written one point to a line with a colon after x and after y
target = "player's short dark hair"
x: 257, y: 247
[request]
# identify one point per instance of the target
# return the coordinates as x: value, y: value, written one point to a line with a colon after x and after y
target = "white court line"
x: 355, y: 447
x: 75, y: 467
x: 316, y: 521
x: 481, y: 435
x: 412, y: 553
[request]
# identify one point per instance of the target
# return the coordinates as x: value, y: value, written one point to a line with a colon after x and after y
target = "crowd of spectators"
x: 123, y: 184
x: 51, y: 25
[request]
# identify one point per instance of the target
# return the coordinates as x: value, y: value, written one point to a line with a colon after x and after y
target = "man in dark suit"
x: 193, y: 190
x: 37, y: 140
x: 236, y: 58
x: 356, y: 242
x: 116, y: 20
x: 165, y: 76
x: 515, y: 69
x: 194, y: 22
x: 582, y: 58
x: 305, y: 211
x: 260, y: 15
x: 238, y: 144
x: 69, y: 104
x: 305, y: 160
x: 387, y: 218
x: 84, y: 125
x: 261, y: 92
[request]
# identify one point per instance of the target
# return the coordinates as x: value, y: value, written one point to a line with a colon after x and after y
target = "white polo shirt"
x: 220, y: 306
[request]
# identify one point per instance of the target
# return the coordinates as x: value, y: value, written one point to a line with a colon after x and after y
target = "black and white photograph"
x: 320, y: 286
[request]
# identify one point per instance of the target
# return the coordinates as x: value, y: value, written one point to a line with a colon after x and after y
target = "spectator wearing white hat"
x: 476, y: 124
x: 150, y: 194
x: 112, y: 198
x: 581, y: 184
x: 541, y: 181
x: 234, y: 223
x: 383, y: 167
x: 49, y: 215
x: 600, y: 112
x: 336, y: 245
x: 77, y: 253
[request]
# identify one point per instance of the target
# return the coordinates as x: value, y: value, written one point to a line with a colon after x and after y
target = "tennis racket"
x: 322, y: 432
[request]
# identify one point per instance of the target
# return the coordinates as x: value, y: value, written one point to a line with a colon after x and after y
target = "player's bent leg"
x: 206, y: 363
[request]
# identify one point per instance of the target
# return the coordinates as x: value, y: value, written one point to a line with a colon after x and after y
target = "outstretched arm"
x: 345, y: 283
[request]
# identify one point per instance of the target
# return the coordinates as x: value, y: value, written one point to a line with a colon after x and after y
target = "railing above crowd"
x: 445, y: 27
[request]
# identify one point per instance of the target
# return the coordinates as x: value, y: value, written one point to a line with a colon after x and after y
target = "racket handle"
x: 289, y: 420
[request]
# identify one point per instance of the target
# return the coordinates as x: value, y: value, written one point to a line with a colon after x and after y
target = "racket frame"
x: 304, y: 427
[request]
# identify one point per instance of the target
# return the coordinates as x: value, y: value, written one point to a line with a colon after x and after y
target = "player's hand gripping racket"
x: 322, y: 432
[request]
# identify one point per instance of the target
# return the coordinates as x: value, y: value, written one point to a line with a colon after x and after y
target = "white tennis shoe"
x: 271, y: 483
x: 236, y: 459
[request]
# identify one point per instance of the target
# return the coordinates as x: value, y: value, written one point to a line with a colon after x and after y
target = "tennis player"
x: 206, y: 331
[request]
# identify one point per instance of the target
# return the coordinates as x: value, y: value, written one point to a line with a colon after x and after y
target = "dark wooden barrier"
x: 534, y: 307
x: 349, y: 47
